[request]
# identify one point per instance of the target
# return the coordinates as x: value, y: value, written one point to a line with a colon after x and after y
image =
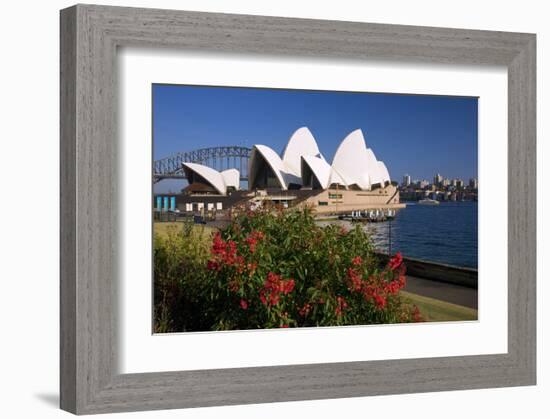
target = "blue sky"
x: 417, y: 135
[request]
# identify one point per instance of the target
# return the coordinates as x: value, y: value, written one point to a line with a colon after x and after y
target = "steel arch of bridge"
x: 219, y: 158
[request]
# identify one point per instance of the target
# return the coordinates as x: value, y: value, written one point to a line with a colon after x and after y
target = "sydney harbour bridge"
x: 218, y: 158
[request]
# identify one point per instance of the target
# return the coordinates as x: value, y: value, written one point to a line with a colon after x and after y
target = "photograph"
x: 284, y: 208
x: 275, y: 209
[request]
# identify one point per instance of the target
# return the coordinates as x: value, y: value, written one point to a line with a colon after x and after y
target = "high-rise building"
x: 438, y: 179
x: 406, y: 180
x: 446, y: 182
x: 459, y: 183
x: 423, y: 183
x: 473, y: 183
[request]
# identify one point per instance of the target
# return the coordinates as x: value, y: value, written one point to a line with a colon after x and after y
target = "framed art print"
x: 304, y: 209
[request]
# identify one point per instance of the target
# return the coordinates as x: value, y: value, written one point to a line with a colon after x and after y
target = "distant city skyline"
x: 430, y: 179
x: 419, y: 135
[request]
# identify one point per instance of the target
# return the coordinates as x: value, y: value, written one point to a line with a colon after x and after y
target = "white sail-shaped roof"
x: 354, y: 165
x: 219, y: 181
x: 320, y: 169
x: 231, y: 178
x: 335, y: 178
x: 357, y: 165
x: 383, y: 170
x: 301, y: 143
x: 372, y: 168
x: 352, y: 161
x: 272, y: 159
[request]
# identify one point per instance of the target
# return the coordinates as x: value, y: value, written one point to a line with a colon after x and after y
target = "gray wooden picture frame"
x: 90, y: 36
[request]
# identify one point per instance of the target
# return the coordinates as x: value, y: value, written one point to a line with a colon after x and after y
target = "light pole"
x: 389, y: 240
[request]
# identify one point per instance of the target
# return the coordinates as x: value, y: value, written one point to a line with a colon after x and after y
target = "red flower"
x: 251, y: 268
x: 272, y: 277
x: 218, y: 245
x: 357, y: 261
x: 368, y: 291
x: 304, y: 311
x: 402, y: 281
x: 417, y: 317
x: 212, y: 265
x: 395, y: 262
x: 341, y: 305
x: 244, y: 304
x: 258, y: 235
x: 274, y: 299
x: 230, y: 258
x: 287, y: 286
x: 284, y: 326
x: 356, y: 282
x: 379, y: 301
x: 252, y: 240
x: 238, y: 261
x: 233, y: 286
x: 224, y: 253
x: 273, y: 286
x: 394, y: 286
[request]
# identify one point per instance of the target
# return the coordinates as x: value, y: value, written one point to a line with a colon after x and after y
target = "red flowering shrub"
x: 283, y: 270
x: 275, y: 269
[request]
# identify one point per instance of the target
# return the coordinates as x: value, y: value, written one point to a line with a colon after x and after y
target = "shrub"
x: 180, y: 279
x: 280, y: 269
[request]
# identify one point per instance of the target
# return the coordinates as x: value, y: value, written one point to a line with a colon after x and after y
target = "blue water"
x: 445, y: 233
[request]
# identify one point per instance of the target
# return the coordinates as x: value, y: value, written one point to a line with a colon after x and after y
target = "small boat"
x: 428, y: 201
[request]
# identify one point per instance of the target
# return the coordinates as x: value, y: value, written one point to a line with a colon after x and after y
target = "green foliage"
x: 275, y: 269
x: 180, y: 278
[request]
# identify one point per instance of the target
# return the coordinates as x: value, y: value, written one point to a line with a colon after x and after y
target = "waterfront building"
x: 473, y: 183
x: 207, y: 181
x: 302, y: 165
x: 299, y: 177
x: 355, y: 180
x: 438, y: 179
x: 406, y: 181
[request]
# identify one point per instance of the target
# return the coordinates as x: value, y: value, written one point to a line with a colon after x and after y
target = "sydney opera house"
x: 300, y: 176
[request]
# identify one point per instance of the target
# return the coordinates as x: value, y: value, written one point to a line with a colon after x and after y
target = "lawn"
x: 202, y: 231
x: 439, y: 311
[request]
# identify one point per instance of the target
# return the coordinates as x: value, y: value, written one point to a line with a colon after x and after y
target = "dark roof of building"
x: 199, y: 187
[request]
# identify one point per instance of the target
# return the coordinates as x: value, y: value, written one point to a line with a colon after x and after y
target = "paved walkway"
x: 442, y: 291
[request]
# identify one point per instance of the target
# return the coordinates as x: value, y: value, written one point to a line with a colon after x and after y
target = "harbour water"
x: 445, y: 233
